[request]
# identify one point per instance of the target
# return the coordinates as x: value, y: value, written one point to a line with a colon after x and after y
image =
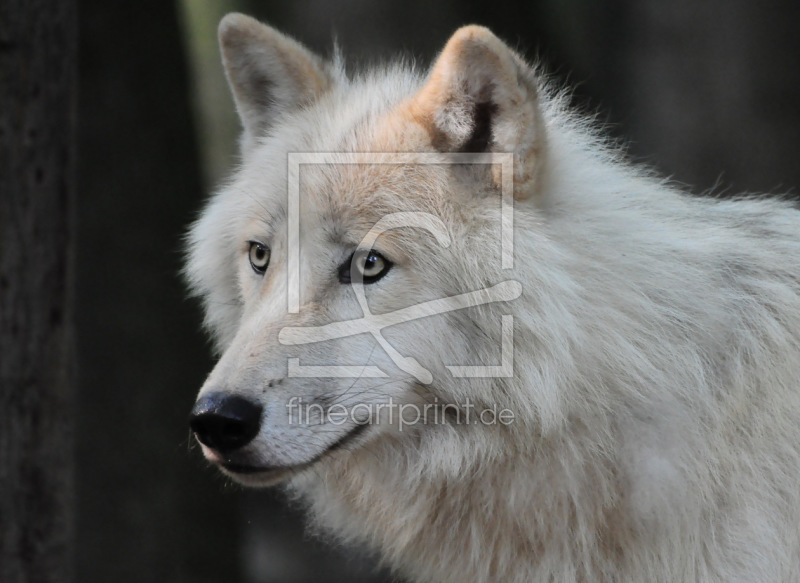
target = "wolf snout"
x: 225, y: 422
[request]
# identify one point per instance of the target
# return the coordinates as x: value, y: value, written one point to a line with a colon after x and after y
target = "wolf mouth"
x: 276, y: 471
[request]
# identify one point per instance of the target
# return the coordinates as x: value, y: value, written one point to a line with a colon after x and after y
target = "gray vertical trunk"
x: 147, y: 511
x: 37, y: 82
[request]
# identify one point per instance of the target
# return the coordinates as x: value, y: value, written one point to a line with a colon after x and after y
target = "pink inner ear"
x: 482, y: 97
x: 481, y: 137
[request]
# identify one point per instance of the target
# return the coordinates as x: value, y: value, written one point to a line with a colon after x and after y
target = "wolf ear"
x: 268, y: 72
x: 482, y: 97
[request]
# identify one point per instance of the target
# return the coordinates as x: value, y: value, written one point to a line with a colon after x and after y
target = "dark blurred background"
x: 707, y: 91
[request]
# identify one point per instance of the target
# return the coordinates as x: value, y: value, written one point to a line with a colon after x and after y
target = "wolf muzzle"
x: 225, y: 422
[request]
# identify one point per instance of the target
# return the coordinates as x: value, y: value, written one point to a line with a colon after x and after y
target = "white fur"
x: 657, y: 356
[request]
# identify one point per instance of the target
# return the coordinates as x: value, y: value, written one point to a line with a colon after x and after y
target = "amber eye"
x: 370, y: 266
x: 259, y: 257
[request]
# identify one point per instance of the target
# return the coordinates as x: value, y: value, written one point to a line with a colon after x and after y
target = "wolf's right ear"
x: 481, y: 97
x: 268, y: 72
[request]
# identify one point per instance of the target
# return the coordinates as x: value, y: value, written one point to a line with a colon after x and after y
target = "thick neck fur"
x: 657, y: 346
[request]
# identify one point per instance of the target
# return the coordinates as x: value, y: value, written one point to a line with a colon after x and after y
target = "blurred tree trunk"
x: 37, y: 98
x: 147, y: 510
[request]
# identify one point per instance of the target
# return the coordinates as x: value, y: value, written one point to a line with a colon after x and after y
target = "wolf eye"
x: 259, y: 257
x: 371, y: 266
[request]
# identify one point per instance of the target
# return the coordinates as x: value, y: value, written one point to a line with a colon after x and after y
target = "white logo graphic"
x: 374, y: 324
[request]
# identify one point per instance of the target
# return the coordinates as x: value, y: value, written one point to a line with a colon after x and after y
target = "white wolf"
x: 652, y: 428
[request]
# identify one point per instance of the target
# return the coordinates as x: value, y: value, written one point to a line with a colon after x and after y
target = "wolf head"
x: 354, y: 262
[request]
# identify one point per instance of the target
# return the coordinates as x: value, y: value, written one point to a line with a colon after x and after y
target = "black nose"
x: 225, y: 422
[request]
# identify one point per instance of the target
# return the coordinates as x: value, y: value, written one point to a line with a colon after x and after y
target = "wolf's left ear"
x: 268, y: 72
x: 482, y: 97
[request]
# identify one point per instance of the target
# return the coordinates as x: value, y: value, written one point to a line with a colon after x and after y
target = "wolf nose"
x: 225, y: 422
